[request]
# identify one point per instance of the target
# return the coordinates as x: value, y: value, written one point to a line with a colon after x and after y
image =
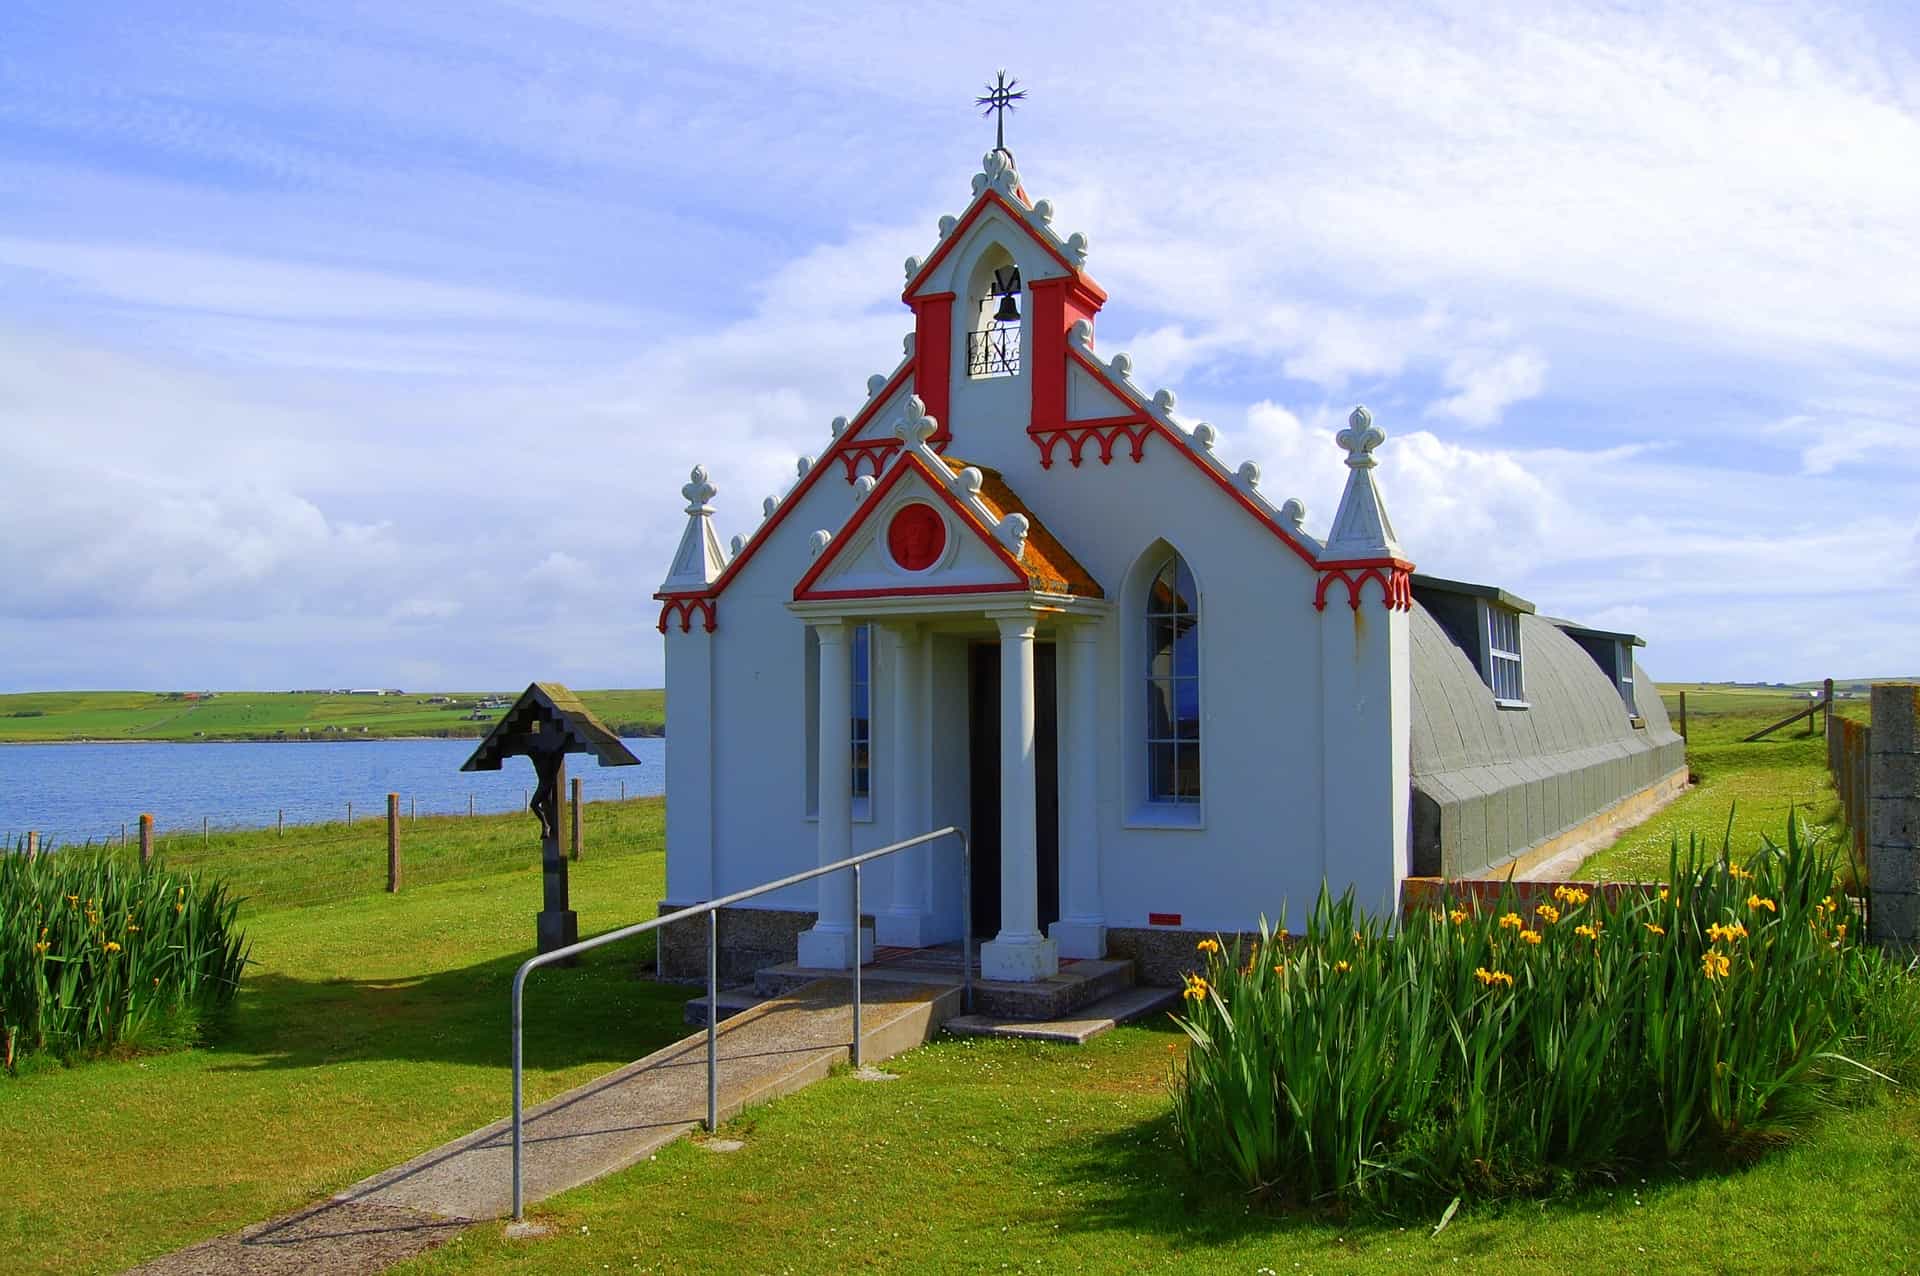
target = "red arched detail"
x: 684, y: 605
x: 1394, y: 576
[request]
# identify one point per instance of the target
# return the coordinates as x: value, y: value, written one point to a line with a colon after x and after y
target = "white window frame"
x: 1501, y: 660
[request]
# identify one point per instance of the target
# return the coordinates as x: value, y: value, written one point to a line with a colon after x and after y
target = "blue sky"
x: 350, y: 343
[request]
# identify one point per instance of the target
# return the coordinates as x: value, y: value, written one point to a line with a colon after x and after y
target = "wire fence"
x: 293, y: 865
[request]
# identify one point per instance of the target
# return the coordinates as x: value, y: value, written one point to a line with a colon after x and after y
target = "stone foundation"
x: 1163, y: 957
x: 750, y: 938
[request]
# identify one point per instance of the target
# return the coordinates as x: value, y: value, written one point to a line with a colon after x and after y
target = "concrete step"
x: 1078, y: 984
x: 626, y: 1115
x: 1076, y: 1028
x: 733, y: 1001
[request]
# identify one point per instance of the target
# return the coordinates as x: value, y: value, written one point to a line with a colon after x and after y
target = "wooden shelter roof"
x: 548, y: 711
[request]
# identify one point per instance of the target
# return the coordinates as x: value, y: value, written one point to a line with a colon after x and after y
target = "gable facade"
x: 1018, y: 594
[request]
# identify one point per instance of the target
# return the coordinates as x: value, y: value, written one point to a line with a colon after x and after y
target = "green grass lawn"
x: 1003, y: 1156
x: 318, y: 863
x: 1759, y: 783
x: 367, y: 1031
x: 277, y: 715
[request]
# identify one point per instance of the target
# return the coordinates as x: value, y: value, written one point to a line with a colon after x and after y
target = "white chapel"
x: 1018, y: 594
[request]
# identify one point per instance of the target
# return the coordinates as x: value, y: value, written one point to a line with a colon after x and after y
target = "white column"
x: 829, y: 945
x: 1082, y: 928
x: 1020, y: 952
x: 905, y: 922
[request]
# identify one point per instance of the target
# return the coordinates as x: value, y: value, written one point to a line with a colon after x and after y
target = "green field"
x: 366, y: 1030
x: 42, y: 716
x: 1759, y: 784
x: 373, y: 1027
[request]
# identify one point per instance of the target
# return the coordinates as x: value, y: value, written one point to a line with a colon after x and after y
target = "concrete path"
x: 605, y: 1125
x: 626, y: 1116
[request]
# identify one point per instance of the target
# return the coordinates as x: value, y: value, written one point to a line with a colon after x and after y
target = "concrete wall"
x: 1489, y: 783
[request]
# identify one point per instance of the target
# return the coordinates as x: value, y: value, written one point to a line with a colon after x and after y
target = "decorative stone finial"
x: 739, y: 543
x: 997, y: 171
x: 1204, y: 435
x: 1294, y: 511
x: 863, y: 485
x: 916, y: 427
x: 839, y: 426
x: 947, y: 222
x: 876, y: 383
x: 1361, y: 528
x: 1012, y: 531
x: 768, y: 506
x: 699, y: 560
x: 1249, y: 476
x: 1164, y: 400
x: 912, y: 266
x: 1043, y: 209
x: 1077, y: 248
x: 906, y: 345
x: 969, y: 480
x: 1360, y: 438
x: 1081, y: 334
x: 801, y: 466
x: 699, y: 492
x: 1121, y: 365
x: 819, y: 541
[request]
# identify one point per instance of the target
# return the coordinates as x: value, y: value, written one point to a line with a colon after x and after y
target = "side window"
x: 859, y: 727
x: 1173, y: 685
x: 1503, y: 656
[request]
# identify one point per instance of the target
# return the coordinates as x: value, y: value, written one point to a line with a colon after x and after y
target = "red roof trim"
x: 1185, y: 447
x: 844, y: 537
x: 812, y: 476
x: 973, y: 215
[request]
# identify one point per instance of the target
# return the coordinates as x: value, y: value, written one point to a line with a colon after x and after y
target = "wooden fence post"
x: 146, y: 839
x: 1828, y: 691
x: 393, y: 843
x: 1683, y: 715
x: 575, y: 842
x: 33, y: 845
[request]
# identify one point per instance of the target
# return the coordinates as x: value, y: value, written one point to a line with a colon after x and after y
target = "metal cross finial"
x: 999, y: 99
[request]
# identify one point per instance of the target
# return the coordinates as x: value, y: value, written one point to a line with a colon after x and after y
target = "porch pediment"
x: 935, y: 526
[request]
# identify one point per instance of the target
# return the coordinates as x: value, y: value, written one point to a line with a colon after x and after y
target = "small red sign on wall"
x: 1163, y: 919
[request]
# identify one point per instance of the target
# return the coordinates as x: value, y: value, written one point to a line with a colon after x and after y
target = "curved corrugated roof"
x: 1490, y: 782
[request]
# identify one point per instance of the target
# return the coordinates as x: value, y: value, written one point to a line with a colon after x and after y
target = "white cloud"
x: 1486, y: 386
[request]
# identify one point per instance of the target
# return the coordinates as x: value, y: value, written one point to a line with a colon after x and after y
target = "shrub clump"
x: 96, y: 954
x: 1486, y: 1050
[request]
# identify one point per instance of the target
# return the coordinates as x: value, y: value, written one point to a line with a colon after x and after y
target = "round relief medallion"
x: 916, y: 536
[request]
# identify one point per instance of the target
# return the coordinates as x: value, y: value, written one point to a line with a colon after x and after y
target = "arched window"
x: 1173, y: 684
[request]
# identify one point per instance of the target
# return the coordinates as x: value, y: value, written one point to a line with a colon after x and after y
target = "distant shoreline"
x: 339, y: 738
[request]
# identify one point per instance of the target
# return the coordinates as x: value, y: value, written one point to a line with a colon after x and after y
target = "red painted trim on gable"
x: 1185, y: 448
x: 828, y: 595
x: 972, y: 215
x: 1077, y: 434
x: 812, y: 476
x: 844, y: 536
x: 933, y: 358
x: 876, y: 451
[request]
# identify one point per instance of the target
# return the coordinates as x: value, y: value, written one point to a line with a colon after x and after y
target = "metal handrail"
x: 712, y: 909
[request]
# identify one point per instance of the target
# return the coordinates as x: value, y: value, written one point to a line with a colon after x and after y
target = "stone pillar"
x: 1082, y: 929
x: 829, y: 945
x: 905, y: 922
x: 1020, y: 952
x: 1893, y: 816
x: 1366, y: 746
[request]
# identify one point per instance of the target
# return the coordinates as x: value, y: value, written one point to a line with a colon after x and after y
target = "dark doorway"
x: 984, y: 769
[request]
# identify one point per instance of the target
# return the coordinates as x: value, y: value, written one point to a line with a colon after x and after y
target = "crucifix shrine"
x: 545, y: 724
